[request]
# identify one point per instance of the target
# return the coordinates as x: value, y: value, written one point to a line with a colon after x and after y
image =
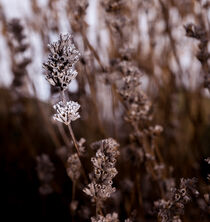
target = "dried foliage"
x: 138, y: 77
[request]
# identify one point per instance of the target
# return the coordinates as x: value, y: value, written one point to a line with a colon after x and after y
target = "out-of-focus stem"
x: 73, y: 138
x: 73, y: 190
x: 70, y: 128
x: 64, y: 135
x: 98, y: 209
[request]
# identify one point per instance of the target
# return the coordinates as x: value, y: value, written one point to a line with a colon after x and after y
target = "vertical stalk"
x: 69, y: 126
x: 73, y: 138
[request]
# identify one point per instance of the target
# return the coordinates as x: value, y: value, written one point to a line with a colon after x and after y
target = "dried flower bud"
x: 19, y: 47
x: 60, y: 65
x: 104, y: 171
x: 45, y: 169
x: 177, y: 196
x: 108, y: 218
x: 171, y: 210
x: 73, y: 167
x: 183, y: 191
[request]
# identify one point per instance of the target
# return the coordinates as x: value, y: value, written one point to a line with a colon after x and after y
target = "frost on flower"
x: 66, y: 112
x: 61, y: 60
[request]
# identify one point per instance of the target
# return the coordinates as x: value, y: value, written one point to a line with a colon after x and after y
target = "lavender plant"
x: 172, y: 209
x: 100, y: 187
x: 66, y: 112
x: 203, y: 55
x: 45, y: 169
x: 19, y: 47
x: 60, y: 71
x: 136, y: 81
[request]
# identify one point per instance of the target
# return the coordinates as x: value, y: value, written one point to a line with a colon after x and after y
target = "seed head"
x: 104, y: 170
x: 61, y: 60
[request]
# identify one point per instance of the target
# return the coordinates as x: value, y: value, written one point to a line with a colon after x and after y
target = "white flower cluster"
x: 66, y: 112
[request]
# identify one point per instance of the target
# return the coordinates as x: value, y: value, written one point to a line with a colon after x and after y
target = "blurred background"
x: 167, y: 41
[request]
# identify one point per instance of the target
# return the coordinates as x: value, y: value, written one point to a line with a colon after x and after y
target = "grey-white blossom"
x: 66, y: 112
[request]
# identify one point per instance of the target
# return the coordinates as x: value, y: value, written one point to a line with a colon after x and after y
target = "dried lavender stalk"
x: 45, y: 169
x: 100, y: 187
x: 203, y: 55
x: 73, y: 167
x: 18, y: 46
x: 172, y: 209
x: 138, y: 107
x: 60, y: 71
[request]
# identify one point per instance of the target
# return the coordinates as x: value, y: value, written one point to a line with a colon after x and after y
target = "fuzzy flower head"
x: 61, y: 60
x: 66, y: 112
x: 73, y: 167
x: 104, y: 161
x: 45, y: 171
